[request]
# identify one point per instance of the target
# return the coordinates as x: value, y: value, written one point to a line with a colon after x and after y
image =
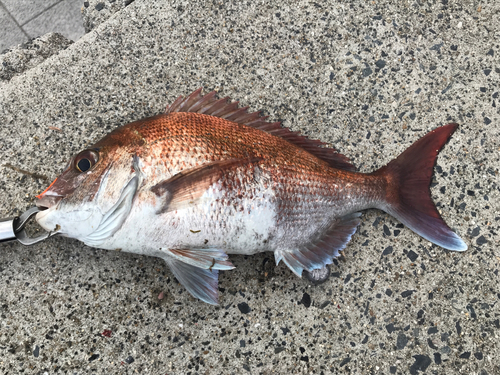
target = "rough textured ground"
x: 368, y: 77
x: 95, y: 12
x: 28, y: 55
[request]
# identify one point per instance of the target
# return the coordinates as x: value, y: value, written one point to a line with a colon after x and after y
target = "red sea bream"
x: 206, y: 179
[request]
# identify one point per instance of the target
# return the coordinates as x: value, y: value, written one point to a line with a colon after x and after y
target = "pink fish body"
x: 206, y: 179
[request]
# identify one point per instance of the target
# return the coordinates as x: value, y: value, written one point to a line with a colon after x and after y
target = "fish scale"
x: 170, y: 140
x: 206, y: 179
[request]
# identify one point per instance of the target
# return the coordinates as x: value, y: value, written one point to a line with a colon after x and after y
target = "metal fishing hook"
x: 12, y: 228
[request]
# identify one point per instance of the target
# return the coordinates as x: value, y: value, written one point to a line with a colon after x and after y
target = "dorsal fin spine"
x: 236, y: 114
x: 199, y: 104
x: 228, y: 109
x: 176, y: 104
x: 217, y: 105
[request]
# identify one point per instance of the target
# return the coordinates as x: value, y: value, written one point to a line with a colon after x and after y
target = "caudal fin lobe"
x: 408, y: 195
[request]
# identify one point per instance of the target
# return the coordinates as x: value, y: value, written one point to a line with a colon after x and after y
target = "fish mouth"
x: 49, y: 197
x: 48, y: 200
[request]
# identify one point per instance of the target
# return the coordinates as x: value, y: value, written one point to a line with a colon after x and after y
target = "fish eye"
x: 83, y: 165
x: 85, y: 160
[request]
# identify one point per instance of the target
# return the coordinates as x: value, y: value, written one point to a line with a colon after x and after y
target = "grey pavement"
x: 22, y: 20
x: 369, y: 78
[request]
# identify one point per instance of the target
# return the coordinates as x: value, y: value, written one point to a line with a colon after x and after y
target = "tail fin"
x: 408, y: 193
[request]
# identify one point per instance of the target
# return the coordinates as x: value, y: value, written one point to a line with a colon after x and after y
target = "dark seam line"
x: 15, y: 21
x: 43, y: 11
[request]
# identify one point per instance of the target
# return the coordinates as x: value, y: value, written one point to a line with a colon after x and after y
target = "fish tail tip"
x: 458, y: 245
x: 447, y: 238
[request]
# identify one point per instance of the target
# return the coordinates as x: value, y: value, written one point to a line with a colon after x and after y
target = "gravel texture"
x: 370, y: 78
x: 95, y: 12
x: 28, y: 55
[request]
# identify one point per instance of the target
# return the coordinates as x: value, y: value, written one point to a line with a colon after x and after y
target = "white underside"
x: 200, y: 226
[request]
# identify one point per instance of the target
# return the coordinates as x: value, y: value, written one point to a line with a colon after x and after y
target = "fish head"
x: 92, y: 197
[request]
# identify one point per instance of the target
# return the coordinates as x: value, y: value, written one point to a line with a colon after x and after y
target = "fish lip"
x: 48, y: 201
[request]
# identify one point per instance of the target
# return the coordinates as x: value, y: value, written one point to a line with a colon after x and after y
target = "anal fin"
x: 321, y: 252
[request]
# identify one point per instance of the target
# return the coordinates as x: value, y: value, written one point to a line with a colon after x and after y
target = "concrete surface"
x: 95, y: 12
x: 28, y: 55
x: 23, y: 20
x: 368, y: 77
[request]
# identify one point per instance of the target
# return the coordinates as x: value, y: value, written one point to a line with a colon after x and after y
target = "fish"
x: 207, y: 178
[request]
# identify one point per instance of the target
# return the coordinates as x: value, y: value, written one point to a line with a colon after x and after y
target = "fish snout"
x: 50, y: 196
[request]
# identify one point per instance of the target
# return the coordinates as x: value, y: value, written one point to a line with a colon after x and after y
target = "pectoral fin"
x: 188, y: 186
x: 321, y: 252
x: 198, y: 270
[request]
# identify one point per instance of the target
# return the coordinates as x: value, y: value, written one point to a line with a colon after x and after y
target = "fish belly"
x: 246, y: 212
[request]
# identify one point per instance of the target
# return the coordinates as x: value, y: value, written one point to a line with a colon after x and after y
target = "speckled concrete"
x: 95, y: 12
x: 28, y: 55
x: 368, y: 77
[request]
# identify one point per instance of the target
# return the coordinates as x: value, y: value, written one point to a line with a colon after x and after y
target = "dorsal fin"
x: 209, y: 105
